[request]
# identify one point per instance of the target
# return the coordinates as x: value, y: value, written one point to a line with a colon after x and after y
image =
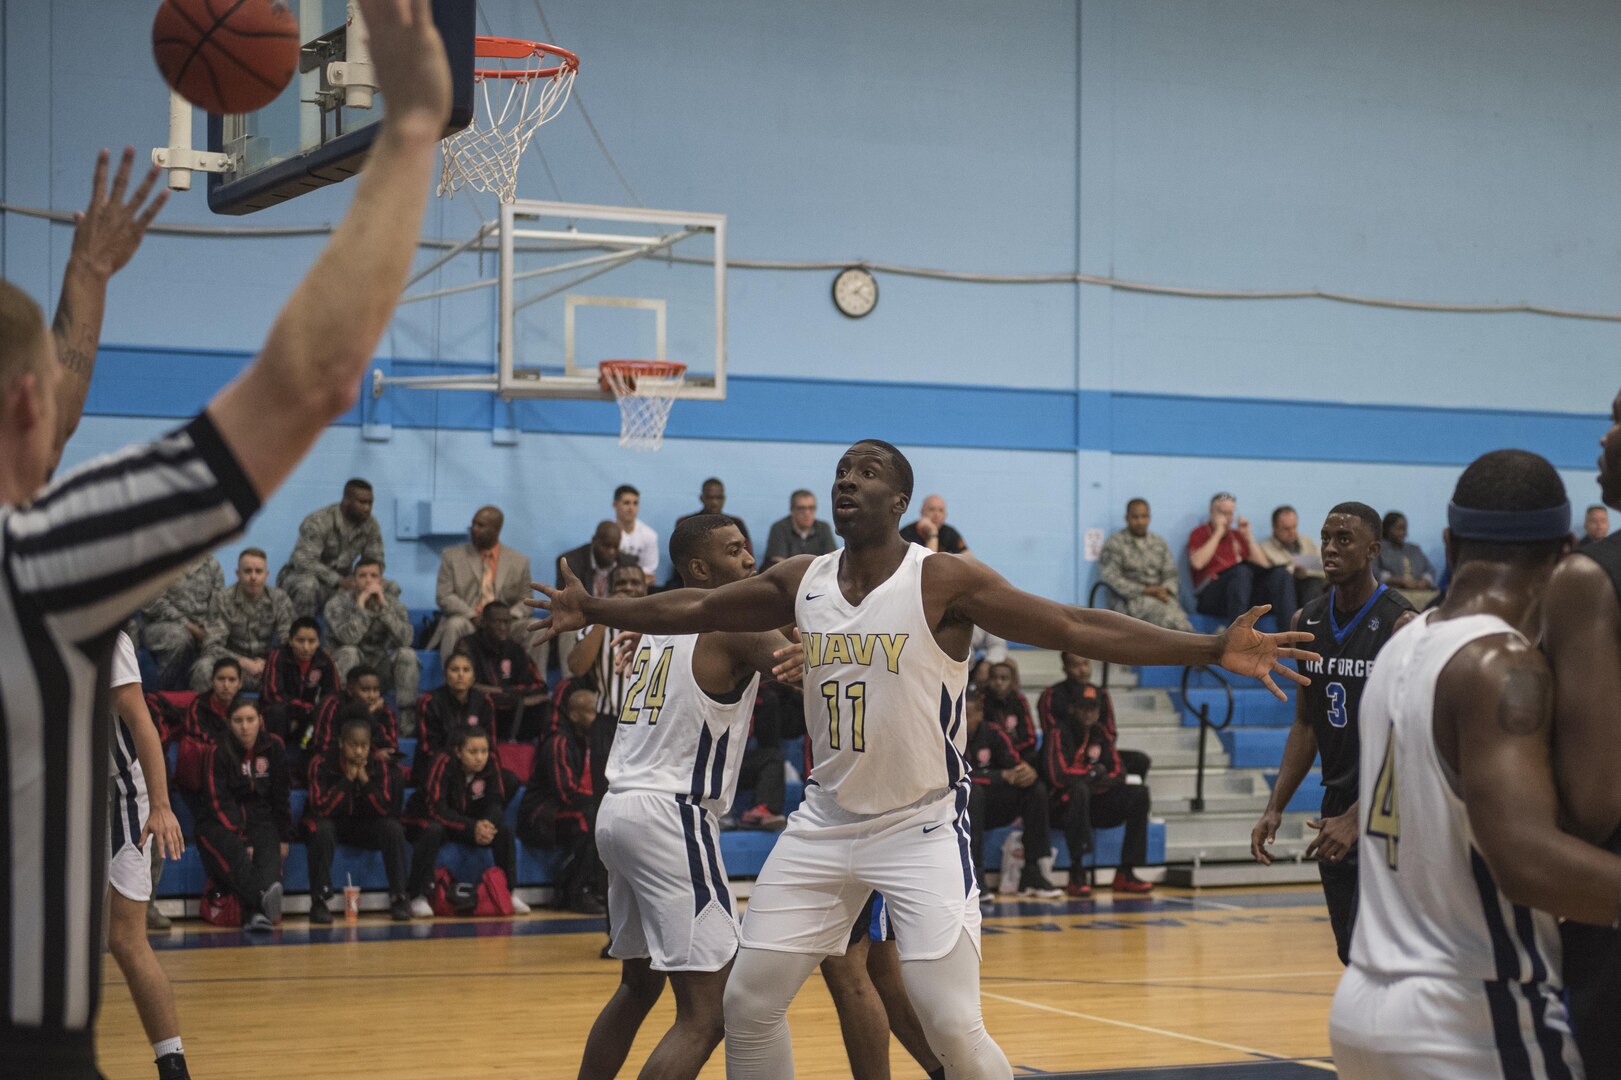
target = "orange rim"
x: 631, y: 370
x: 502, y: 48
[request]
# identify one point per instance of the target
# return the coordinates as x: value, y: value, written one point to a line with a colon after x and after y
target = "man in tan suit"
x: 476, y: 573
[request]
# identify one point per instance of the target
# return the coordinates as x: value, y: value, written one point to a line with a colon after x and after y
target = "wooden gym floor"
x: 1218, y: 985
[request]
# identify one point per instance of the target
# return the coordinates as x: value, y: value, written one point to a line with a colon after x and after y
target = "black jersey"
x: 1335, y: 694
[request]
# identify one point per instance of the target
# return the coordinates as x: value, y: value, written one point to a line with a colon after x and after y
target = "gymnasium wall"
x: 1452, y: 152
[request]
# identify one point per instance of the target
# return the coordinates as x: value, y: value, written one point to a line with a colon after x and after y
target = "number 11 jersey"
x: 883, y: 702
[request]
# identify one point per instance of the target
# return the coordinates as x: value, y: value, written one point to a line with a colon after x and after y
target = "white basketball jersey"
x: 124, y: 766
x: 673, y: 738
x: 1427, y: 902
x: 883, y: 703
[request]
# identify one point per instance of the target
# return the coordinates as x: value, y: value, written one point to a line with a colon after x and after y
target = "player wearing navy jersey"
x: 1582, y: 634
x: 887, y: 627
x: 1455, y: 967
x: 1351, y: 623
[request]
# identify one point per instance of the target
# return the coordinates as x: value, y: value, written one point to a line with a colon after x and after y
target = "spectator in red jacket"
x: 355, y: 799
x: 557, y: 807
x: 1007, y: 708
x: 366, y: 687
x: 299, y: 678
x: 464, y: 803
x: 1089, y: 788
x: 247, y: 823
x: 208, y: 717
x: 447, y: 710
x: 503, y: 671
x: 1005, y: 789
x: 1077, y: 684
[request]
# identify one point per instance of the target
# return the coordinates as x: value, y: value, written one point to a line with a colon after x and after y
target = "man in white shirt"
x: 1286, y: 547
x: 637, y: 538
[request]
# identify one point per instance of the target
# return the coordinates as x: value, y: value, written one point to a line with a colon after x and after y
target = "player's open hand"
x: 1247, y: 651
x: 790, y: 667
x: 564, y: 608
x: 624, y: 649
x: 1261, y: 837
x: 412, y: 70
x: 164, y: 829
x: 108, y: 231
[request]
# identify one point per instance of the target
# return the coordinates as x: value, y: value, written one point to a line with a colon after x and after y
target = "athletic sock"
x: 165, y: 1047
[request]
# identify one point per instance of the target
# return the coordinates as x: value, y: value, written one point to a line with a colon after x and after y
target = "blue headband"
x: 1509, y: 526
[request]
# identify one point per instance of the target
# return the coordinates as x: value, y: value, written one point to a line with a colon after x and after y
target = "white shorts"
x: 828, y: 861
x: 1425, y: 1028
x: 668, y: 897
x: 128, y: 868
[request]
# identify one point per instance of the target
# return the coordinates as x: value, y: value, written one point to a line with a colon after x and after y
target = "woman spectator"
x: 299, y: 678
x: 366, y: 687
x: 447, y: 710
x: 355, y: 799
x: 247, y: 823
x: 1402, y: 565
x: 463, y: 802
x: 207, y: 718
x: 557, y: 811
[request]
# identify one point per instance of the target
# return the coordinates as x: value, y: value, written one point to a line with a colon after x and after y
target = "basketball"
x: 226, y: 56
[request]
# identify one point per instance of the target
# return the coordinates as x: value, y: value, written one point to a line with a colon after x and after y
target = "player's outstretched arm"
x: 762, y: 602
x: 1494, y: 721
x: 1582, y: 636
x: 309, y: 371
x: 980, y: 595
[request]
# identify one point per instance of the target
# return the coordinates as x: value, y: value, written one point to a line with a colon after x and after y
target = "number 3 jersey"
x: 1428, y: 904
x: 1334, y: 698
x: 674, y: 738
x: 883, y: 703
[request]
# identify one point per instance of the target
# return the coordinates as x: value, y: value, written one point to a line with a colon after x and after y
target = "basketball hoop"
x: 484, y: 155
x: 646, y: 389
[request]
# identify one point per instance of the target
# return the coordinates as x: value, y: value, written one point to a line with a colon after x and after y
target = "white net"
x: 484, y: 155
x: 644, y: 404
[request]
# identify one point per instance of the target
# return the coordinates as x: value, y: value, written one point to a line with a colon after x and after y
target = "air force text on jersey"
x: 860, y: 649
x: 1343, y: 667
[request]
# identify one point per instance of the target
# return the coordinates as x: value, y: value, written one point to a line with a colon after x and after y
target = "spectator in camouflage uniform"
x: 1138, y: 565
x: 175, y: 625
x: 367, y: 626
x: 330, y: 542
x: 244, y: 621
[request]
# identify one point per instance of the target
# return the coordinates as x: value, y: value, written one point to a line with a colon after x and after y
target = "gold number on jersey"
x: 1384, y: 817
x: 856, y: 695
x: 647, y: 685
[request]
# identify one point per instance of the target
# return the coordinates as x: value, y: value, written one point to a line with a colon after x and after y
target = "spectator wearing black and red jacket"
x: 1077, y: 684
x: 1089, y: 787
x: 246, y: 822
x: 502, y: 670
x: 1005, y: 788
x: 355, y: 799
x: 366, y: 687
x: 464, y: 802
x: 208, y: 716
x: 447, y: 710
x: 1007, y: 708
x: 558, y: 810
x: 299, y: 678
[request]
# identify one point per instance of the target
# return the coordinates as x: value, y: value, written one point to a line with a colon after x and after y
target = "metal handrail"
x: 1092, y: 602
x: 1205, y: 724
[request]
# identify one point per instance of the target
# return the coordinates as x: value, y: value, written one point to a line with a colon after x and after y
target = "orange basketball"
x: 226, y: 56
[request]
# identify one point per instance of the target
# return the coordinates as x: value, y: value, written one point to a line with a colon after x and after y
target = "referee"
x: 78, y: 557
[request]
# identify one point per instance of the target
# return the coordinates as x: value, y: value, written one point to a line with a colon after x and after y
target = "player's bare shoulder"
x: 1501, y: 678
x: 1578, y: 592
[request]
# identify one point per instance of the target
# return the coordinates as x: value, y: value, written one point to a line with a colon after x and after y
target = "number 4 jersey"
x: 674, y: 738
x: 1334, y: 697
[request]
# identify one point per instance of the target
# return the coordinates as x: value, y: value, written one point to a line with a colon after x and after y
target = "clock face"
x: 855, y: 292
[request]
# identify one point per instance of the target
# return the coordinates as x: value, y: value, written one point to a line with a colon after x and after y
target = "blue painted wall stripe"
x: 141, y: 381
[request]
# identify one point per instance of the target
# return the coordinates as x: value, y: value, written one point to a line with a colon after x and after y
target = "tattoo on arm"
x: 69, y: 352
x: 1526, y: 701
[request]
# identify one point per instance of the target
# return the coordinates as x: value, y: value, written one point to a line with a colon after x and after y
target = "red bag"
x: 450, y: 898
x: 191, y: 764
x: 221, y: 907
x: 493, y: 897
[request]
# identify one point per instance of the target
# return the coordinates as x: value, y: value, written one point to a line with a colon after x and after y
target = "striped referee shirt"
x: 99, y: 542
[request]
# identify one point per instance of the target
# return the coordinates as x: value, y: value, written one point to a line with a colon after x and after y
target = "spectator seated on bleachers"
x: 451, y: 708
x: 593, y: 564
x: 244, y: 621
x: 765, y: 768
x: 1005, y: 788
x: 636, y: 537
x: 1231, y: 573
x: 556, y: 810
x: 207, y: 721
x: 464, y: 802
x: 355, y: 799
x: 246, y: 821
x: 476, y: 573
x: 1089, y: 789
x: 367, y: 625
x: 366, y: 687
x: 800, y: 533
x: 1399, y: 564
x: 299, y: 678
x: 1077, y: 684
x: 1297, y: 554
x: 1138, y: 566
x: 503, y: 670
x: 330, y: 541
x: 1007, y: 708
x: 175, y: 625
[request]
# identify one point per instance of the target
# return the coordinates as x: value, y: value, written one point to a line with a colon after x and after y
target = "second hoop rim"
x: 505, y: 48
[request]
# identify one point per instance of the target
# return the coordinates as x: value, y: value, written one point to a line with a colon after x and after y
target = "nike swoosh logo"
x: 818, y: 596
x: 1313, y: 622
x: 930, y: 828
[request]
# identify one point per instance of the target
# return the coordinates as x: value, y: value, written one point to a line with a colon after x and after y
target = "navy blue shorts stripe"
x: 700, y: 763
x: 1551, y: 1042
x: 1511, y: 1052
x: 958, y: 825
x: 695, y: 862
x: 1507, y: 960
x: 125, y: 784
x: 721, y: 893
